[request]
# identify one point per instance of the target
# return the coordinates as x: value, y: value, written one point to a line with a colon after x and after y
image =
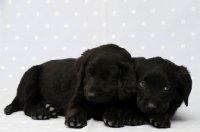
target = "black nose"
x: 92, y: 96
x: 151, y: 107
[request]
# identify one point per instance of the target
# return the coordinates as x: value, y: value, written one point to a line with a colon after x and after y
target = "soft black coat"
x: 80, y: 88
x: 162, y: 87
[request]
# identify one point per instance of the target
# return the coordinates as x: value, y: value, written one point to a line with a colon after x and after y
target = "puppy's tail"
x: 13, y: 107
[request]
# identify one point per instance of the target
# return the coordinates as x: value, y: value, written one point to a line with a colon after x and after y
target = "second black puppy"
x: 81, y: 89
x: 162, y: 87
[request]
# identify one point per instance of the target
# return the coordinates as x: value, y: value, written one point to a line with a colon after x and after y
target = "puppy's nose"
x: 92, y: 96
x: 151, y: 107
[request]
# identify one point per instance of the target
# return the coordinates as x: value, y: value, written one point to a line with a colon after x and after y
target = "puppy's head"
x: 161, y: 83
x: 106, y: 72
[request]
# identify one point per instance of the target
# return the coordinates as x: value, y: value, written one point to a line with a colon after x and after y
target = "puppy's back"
x: 57, y: 81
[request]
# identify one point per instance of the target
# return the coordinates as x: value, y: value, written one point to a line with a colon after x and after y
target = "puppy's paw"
x: 40, y: 114
x: 53, y: 110
x: 112, y: 120
x: 76, y: 121
x: 132, y: 119
x: 159, y: 121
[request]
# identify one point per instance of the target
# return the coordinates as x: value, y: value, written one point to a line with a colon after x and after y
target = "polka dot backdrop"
x: 35, y: 31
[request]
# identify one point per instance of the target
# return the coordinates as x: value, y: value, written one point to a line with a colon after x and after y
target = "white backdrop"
x: 35, y: 31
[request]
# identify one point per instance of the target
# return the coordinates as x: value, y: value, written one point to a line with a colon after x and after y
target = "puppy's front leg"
x: 160, y: 120
x: 113, y: 117
x: 78, y: 112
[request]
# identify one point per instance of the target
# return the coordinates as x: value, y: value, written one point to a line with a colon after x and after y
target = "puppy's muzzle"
x: 150, y: 107
x: 91, y: 96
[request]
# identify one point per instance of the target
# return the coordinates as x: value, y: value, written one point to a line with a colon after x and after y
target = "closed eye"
x: 111, y: 78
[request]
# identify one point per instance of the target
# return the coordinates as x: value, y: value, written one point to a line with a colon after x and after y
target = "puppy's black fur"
x: 162, y: 87
x: 80, y: 88
x: 104, y: 75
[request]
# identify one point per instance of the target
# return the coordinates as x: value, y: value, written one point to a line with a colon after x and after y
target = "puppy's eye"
x: 167, y: 88
x: 109, y: 77
x: 143, y: 84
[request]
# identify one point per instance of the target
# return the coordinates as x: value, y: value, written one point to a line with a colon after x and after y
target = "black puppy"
x: 162, y: 87
x: 80, y: 88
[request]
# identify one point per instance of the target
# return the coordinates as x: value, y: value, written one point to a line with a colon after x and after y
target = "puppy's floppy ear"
x: 127, y: 81
x: 186, y: 83
x: 81, y: 63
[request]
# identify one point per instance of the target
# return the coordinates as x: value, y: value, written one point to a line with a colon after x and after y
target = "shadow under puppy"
x: 80, y: 88
x: 162, y: 87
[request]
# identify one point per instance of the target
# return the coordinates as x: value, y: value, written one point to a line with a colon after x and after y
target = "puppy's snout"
x: 151, y: 107
x: 91, y: 96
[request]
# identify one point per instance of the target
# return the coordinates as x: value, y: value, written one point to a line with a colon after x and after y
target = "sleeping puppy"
x: 162, y: 87
x: 80, y: 88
